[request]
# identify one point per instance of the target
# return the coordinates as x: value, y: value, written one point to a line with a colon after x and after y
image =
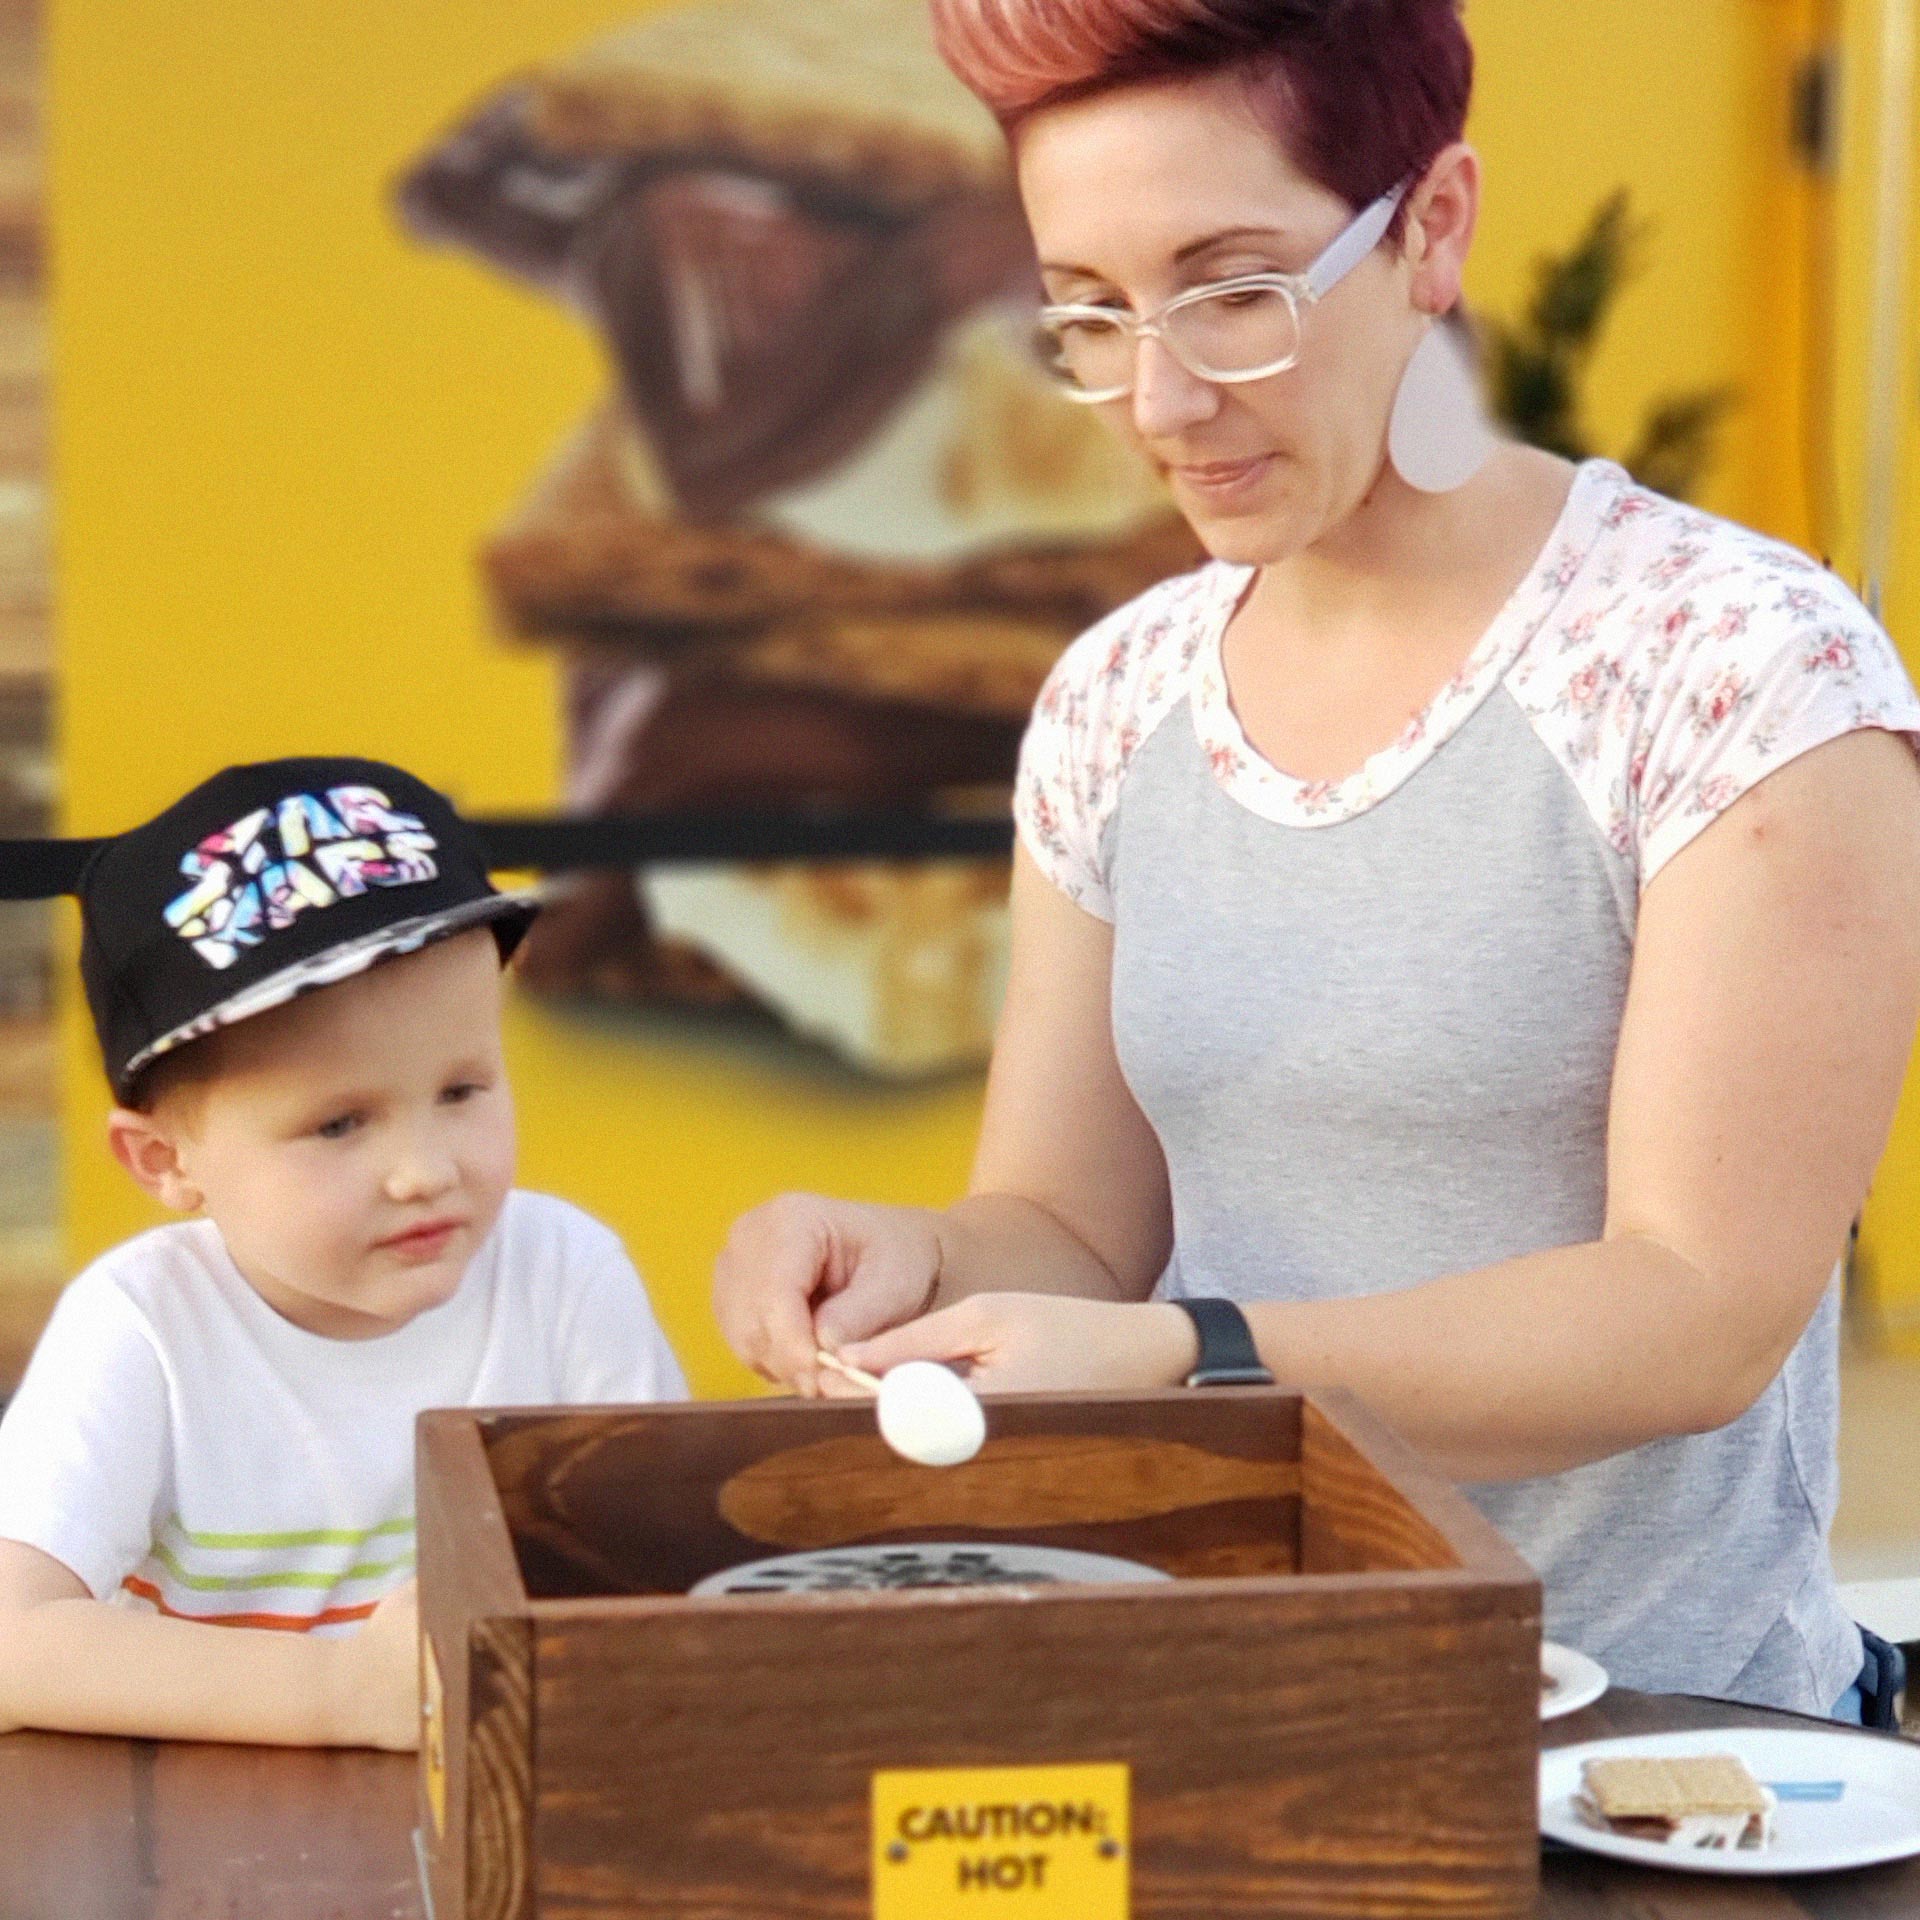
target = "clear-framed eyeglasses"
x: 1246, y: 328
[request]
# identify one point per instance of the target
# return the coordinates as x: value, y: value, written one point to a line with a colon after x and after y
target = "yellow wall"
x: 280, y: 429
x: 1890, y: 1235
x: 1687, y: 106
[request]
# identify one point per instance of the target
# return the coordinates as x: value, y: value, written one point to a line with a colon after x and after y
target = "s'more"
x: 1704, y: 1800
x: 825, y: 539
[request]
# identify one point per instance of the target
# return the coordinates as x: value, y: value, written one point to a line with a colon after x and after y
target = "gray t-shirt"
x: 1373, y: 1021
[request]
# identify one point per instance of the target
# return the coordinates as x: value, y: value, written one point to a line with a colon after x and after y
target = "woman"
x: 1473, y: 925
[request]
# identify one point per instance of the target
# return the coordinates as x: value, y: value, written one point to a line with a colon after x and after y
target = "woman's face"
x: 1139, y: 194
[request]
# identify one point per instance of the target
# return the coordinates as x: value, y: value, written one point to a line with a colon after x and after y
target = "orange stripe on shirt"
x: 279, y: 1622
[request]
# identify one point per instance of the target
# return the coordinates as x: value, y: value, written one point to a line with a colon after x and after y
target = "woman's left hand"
x: 1043, y: 1343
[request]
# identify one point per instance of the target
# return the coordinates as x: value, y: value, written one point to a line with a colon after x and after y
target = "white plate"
x: 1578, y: 1681
x: 1876, y: 1817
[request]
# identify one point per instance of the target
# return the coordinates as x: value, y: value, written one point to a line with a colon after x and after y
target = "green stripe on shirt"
x: 316, y: 1537
x: 228, y: 1583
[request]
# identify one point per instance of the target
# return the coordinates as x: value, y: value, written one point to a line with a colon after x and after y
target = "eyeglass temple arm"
x: 1355, y: 244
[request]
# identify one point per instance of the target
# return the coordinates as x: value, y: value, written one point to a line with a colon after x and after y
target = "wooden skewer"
x: 858, y: 1375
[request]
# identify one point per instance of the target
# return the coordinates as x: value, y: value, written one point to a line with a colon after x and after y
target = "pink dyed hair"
x: 1363, y: 93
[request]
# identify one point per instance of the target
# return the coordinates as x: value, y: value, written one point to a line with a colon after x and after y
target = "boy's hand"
x: 379, y: 1701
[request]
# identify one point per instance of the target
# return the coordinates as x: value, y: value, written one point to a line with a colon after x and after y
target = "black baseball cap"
x: 263, y: 883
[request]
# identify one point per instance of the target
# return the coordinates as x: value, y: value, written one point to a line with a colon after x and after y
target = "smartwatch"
x: 1228, y: 1357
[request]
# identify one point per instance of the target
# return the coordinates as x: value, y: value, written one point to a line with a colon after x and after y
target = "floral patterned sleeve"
x: 1053, y: 795
x: 1768, y: 661
x: 1691, y: 658
x: 1108, y: 692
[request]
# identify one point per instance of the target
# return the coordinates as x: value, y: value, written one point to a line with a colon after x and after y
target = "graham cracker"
x: 846, y: 89
x: 1672, y: 1789
x: 595, y: 551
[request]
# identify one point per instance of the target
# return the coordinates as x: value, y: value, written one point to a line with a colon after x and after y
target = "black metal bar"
x: 669, y: 839
x: 41, y: 869
x: 548, y: 843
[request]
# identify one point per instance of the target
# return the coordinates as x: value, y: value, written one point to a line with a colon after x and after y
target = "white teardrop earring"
x: 1439, y: 437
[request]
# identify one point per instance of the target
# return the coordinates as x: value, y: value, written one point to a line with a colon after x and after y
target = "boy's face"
x: 355, y: 1146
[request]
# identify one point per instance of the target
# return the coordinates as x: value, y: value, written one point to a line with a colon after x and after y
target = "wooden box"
x: 1331, y: 1709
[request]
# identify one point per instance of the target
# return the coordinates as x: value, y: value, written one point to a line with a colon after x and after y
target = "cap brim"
x: 510, y: 913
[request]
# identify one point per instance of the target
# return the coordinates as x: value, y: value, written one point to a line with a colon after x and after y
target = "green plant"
x: 1535, y: 367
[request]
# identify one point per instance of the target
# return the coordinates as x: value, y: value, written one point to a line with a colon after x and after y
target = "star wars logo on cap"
x: 307, y: 851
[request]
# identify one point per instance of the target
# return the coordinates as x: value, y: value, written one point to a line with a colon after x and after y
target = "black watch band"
x: 1228, y: 1357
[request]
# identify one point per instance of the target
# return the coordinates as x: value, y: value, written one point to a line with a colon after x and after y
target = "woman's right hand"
x: 805, y: 1272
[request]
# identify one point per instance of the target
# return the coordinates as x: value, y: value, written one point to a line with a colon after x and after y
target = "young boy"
x: 206, y: 1479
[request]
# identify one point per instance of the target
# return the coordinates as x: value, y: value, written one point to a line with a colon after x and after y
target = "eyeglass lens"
x: 1218, y: 335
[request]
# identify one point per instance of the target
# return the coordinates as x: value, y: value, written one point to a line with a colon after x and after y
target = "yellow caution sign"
x: 1002, y: 1843
x: 433, y: 1737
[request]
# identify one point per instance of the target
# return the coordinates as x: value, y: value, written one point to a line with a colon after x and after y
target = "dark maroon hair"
x: 1364, y: 93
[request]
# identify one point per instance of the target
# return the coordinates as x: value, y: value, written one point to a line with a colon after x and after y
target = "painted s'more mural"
x: 831, y: 525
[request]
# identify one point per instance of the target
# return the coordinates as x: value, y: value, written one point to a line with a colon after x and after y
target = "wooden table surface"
x: 131, y: 1830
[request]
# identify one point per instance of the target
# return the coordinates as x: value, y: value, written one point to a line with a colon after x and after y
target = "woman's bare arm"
x: 1068, y: 1179
x: 1775, y: 986
x: 1068, y: 1195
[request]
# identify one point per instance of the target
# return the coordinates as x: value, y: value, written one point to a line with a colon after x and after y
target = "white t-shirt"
x: 181, y: 1446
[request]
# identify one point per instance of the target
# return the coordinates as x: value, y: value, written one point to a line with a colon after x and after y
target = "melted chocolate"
x: 764, y: 322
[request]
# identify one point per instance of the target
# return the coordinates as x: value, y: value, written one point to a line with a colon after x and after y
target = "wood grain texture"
x: 832, y: 1491
x: 1371, y: 1501
x: 1280, y: 1764
x: 473, y: 1613
x: 1351, y: 1518
x: 714, y: 1757
x: 499, y: 1773
x: 204, y: 1811
x: 97, y: 1829
x: 632, y: 1502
